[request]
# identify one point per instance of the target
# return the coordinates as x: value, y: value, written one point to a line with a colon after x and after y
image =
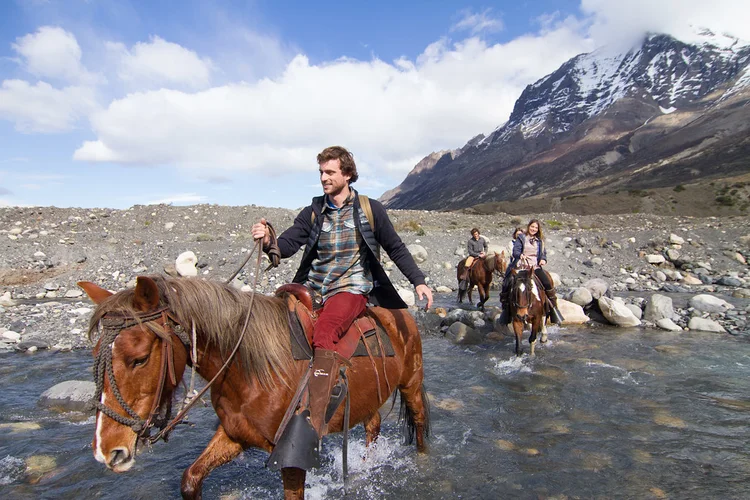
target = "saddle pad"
x: 301, y: 348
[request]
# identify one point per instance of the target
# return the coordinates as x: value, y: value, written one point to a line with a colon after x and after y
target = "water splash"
x: 512, y: 365
x: 11, y: 469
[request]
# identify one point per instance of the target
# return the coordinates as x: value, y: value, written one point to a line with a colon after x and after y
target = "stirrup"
x: 298, y: 446
x: 338, y: 393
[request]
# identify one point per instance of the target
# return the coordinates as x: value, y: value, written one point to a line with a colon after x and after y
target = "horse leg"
x: 416, y: 412
x: 294, y: 483
x: 372, y: 429
x: 543, y: 339
x: 518, y: 330
x: 532, y: 337
x: 220, y: 450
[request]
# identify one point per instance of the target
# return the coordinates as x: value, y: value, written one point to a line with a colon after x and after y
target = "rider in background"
x: 529, y: 250
x: 516, y: 233
x: 476, y: 247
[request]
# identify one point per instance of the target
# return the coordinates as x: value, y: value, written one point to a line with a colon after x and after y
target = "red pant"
x: 337, y: 315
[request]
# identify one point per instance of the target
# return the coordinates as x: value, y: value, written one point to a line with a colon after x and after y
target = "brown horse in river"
x: 480, y: 275
x: 527, y: 299
x: 144, y: 337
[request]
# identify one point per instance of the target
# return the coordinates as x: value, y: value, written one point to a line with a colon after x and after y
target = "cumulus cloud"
x: 159, y: 62
x: 42, y: 108
x: 52, y: 52
x: 389, y: 114
x: 478, y: 22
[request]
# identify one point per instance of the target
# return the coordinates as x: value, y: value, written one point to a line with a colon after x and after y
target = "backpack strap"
x: 364, y: 202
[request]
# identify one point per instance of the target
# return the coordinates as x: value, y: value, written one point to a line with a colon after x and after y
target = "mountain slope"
x: 661, y: 114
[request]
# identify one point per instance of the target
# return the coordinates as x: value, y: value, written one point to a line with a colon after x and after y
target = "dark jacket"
x: 518, y: 250
x: 306, y: 232
x: 474, y: 247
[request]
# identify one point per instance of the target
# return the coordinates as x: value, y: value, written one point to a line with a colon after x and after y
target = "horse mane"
x: 217, y: 311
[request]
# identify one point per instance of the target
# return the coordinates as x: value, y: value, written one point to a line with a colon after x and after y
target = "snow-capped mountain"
x: 655, y: 109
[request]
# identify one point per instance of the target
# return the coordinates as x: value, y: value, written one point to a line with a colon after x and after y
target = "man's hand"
x: 423, y: 291
x: 482, y: 255
x: 260, y: 230
x: 542, y: 263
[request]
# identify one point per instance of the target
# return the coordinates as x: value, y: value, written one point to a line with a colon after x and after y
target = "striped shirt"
x: 339, y: 266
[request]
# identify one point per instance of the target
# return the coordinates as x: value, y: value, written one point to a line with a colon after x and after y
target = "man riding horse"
x: 477, y: 249
x: 341, y: 266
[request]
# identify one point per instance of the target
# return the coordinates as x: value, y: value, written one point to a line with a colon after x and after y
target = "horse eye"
x: 140, y: 361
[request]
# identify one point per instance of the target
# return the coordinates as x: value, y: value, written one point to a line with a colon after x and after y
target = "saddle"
x: 363, y: 338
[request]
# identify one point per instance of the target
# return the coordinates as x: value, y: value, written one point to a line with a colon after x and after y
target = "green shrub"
x: 678, y: 188
x: 204, y: 237
x: 553, y: 224
x: 725, y: 201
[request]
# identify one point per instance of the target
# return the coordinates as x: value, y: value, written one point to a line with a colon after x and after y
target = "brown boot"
x: 554, y: 315
x: 325, y: 375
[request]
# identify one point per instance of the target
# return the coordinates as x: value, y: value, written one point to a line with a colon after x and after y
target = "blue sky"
x: 109, y: 103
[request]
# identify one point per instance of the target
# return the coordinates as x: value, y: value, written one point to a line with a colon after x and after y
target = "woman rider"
x: 529, y: 248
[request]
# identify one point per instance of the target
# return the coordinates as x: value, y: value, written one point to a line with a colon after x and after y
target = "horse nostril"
x: 118, y: 456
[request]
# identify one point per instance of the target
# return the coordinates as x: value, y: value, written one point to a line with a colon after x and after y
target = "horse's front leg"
x: 518, y: 330
x: 294, y: 483
x: 220, y: 450
x: 532, y: 337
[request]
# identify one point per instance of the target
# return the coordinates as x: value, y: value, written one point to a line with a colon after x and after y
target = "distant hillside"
x: 668, y: 113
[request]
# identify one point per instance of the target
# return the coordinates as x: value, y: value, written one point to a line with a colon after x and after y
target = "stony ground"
x: 44, y: 251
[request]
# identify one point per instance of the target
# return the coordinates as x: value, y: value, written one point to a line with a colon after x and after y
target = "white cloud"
x: 52, y: 52
x: 479, y: 22
x: 43, y: 108
x: 388, y: 114
x: 159, y: 62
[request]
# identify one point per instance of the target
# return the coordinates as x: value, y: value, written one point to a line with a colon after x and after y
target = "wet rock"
x: 32, y: 345
x: 572, y: 312
x: 705, y: 325
x: 461, y: 333
x: 69, y: 395
x: 598, y: 287
x: 668, y: 324
x: 709, y: 303
x: 637, y: 311
x: 616, y: 312
x: 728, y: 281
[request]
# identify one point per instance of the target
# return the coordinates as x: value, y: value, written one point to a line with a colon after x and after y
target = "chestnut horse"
x: 144, y: 336
x: 527, y: 299
x: 480, y: 275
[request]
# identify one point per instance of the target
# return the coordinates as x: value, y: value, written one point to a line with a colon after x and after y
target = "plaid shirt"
x: 340, y: 264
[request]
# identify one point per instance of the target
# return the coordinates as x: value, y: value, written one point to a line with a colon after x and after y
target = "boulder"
x: 463, y: 334
x: 581, y: 296
x: 668, y: 324
x: 617, y: 313
x: 676, y: 240
x: 69, y: 395
x: 185, y: 264
x: 689, y: 279
x: 709, y: 303
x: 637, y: 311
x: 658, y: 307
x: 418, y: 252
x: 705, y: 325
x: 598, y: 287
x: 407, y: 296
x: 573, y: 313
x: 655, y: 259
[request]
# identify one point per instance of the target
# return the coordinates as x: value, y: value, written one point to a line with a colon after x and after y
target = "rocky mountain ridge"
x: 659, y: 115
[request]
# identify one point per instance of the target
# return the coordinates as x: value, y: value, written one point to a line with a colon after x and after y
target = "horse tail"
x: 406, y: 416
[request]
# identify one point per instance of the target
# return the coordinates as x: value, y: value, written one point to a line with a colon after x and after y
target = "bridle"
x: 518, y: 293
x: 111, y: 325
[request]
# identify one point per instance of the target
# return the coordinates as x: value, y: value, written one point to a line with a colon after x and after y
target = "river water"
x: 598, y: 413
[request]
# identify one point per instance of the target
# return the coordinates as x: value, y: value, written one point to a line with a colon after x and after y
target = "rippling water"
x: 604, y: 412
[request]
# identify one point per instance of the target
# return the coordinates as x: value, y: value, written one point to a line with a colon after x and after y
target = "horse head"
x: 521, y: 294
x: 500, y: 263
x: 136, y: 368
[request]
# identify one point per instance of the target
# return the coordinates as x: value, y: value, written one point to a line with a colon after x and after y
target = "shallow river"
x: 605, y: 413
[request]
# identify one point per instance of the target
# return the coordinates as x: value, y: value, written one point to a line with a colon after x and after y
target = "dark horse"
x: 144, y: 337
x: 480, y: 275
x: 527, y: 307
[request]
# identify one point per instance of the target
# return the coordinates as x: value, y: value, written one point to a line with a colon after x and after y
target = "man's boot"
x: 505, y: 301
x: 324, y: 377
x: 554, y: 314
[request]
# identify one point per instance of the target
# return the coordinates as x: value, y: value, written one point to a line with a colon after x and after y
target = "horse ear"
x: 146, y: 294
x: 96, y: 293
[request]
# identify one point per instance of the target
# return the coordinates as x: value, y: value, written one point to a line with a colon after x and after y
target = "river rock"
x: 705, y: 325
x: 658, y: 307
x: 580, y: 295
x: 676, y: 240
x: 637, y: 311
x: 691, y: 280
x: 418, y: 252
x: 69, y: 395
x: 709, y: 303
x: 572, y: 312
x: 461, y: 333
x: 185, y: 264
x: 407, y: 296
x: 655, y: 259
x: 728, y: 281
x: 597, y: 286
x: 6, y: 300
x: 668, y: 324
x: 616, y: 312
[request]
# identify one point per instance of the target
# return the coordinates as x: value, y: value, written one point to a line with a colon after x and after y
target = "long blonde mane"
x: 217, y: 312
